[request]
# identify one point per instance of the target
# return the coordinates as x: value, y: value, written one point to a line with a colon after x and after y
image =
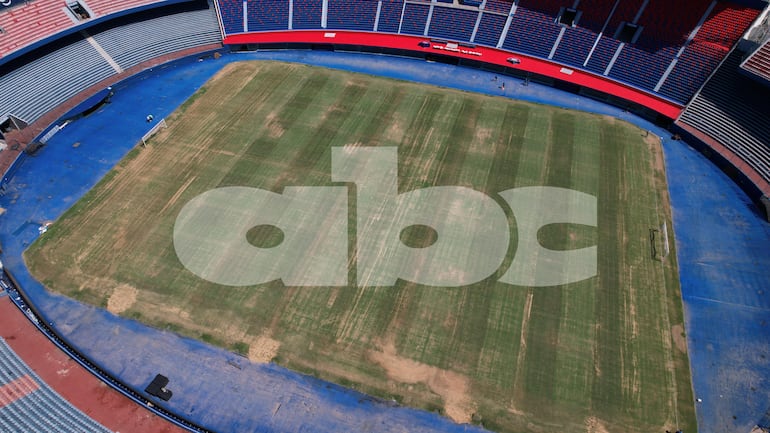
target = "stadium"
x: 384, y: 215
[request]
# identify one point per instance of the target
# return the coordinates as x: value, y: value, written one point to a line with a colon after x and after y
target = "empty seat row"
x: 38, y: 408
x: 724, y: 25
x: 137, y: 42
x: 531, y: 33
x: 759, y: 62
x: 415, y: 18
x: 106, y: 7
x: 307, y: 14
x: 490, y: 29
x: 731, y: 109
x: 352, y: 14
x: 390, y: 16
x: 451, y: 23
x: 60, y: 75
x: 33, y: 21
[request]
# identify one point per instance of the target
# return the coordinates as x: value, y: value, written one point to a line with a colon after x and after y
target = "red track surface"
x: 484, y: 54
x: 70, y: 380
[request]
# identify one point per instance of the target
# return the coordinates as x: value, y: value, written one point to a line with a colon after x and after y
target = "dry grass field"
x: 606, y: 354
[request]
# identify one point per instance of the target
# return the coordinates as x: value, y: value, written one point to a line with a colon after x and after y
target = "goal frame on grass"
x: 146, y: 137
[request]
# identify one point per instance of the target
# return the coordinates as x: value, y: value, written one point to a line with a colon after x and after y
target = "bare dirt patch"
x: 677, y: 333
x: 594, y: 425
x: 123, y: 297
x: 238, y: 75
x: 482, y: 135
x: 451, y: 386
x: 523, y: 337
x: 274, y: 128
x: 263, y: 349
x: 93, y: 283
x: 396, y: 130
x: 653, y: 141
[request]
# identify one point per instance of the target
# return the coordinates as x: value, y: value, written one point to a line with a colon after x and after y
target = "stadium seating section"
x: 32, y: 21
x: 456, y: 24
x: 732, y: 109
x: 415, y: 18
x: 390, y: 16
x: 264, y: 15
x: 64, y: 72
x: 724, y: 25
x: 759, y: 62
x: 676, y: 48
x: 490, y: 29
x: 352, y: 14
x: 307, y: 14
x: 27, y: 404
x: 532, y: 33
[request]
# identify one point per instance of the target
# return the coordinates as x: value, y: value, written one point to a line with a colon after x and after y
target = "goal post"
x: 161, y: 124
x: 664, y: 232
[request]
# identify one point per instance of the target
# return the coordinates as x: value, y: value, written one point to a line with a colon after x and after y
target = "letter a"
x: 210, y: 236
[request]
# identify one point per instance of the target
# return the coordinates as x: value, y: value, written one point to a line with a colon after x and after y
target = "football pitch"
x: 601, y: 354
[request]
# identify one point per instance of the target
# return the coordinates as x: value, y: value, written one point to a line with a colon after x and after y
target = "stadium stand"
x: 107, y: 7
x: 490, y: 29
x: 575, y: 46
x: 669, y: 23
x: 724, y: 25
x: 625, y: 11
x: 59, y: 75
x: 673, y: 66
x: 27, y: 404
x: 594, y: 14
x: 232, y: 15
x: 307, y: 14
x: 759, y: 62
x: 390, y: 16
x: 160, y: 36
x: 627, y: 66
x: 74, y: 64
x: 35, y: 21
x: 352, y: 14
x: 665, y: 28
x: 531, y: 32
x: 732, y: 109
x: 30, y: 23
x: 498, y: 6
x: 451, y: 23
x: 267, y: 15
x: 415, y: 18
x: 602, y: 55
x: 545, y: 7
